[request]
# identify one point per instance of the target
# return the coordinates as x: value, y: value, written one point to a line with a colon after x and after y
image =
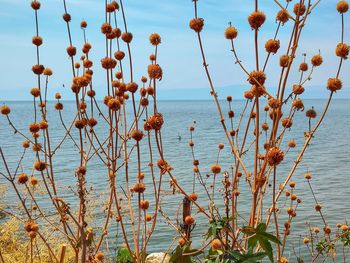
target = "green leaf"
x: 123, y: 256
x: 266, y: 246
x: 270, y: 237
x: 261, y: 228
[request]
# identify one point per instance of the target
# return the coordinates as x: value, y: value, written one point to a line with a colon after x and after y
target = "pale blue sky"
x: 178, y: 54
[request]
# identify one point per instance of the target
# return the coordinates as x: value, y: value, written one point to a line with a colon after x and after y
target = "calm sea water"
x: 328, y: 158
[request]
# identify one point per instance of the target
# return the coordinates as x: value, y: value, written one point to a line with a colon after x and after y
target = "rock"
x: 158, y: 258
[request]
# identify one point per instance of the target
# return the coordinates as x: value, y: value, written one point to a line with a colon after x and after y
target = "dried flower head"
x: 275, y: 156
x: 99, y: 256
x: 258, y: 90
x: 317, y: 60
x: 311, y: 113
x: 282, y: 16
x: 67, y: 17
x: 108, y: 63
x: 272, y: 46
x: 189, y: 220
x: 342, y: 50
x: 144, y: 204
x: 308, y: 176
x: 248, y: 95
x: 256, y: 19
x: 257, y: 77
x: 299, y: 9
x: 216, y: 244
x: 284, y: 61
x: 37, y: 41
x: 342, y: 7
x: 127, y: 37
x: 22, y: 178
x: 38, y: 69
x: 298, y: 104
x: 193, y: 197
x: 106, y: 28
x: 292, y: 144
x: 155, y: 71
x: 298, y: 89
x: 119, y: 55
x: 137, y: 135
x: 155, y: 39
x: 39, y: 165
x: 197, y: 24
x: 139, y: 188
x: 334, y: 84
x: 25, y: 144
x: 35, y: 5
x: 303, y: 66
x: 231, y: 32
x: 71, y: 51
x: 132, y: 87
x: 113, y: 104
x: 83, y: 24
x: 287, y: 122
x: 59, y: 106
x: 216, y: 168
x: 5, y: 110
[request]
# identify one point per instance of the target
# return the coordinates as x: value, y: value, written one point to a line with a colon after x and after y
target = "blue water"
x: 328, y: 159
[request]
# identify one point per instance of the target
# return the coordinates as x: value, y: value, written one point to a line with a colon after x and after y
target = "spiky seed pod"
x: 83, y: 24
x: 215, y: 168
x: 5, y: 110
x: 344, y: 228
x: 137, y: 135
x: 139, y: 188
x: 119, y: 55
x: 197, y: 24
x: 231, y: 32
x: 193, y: 197
x: 216, y: 244
x: 35, y: 5
x: 108, y: 63
x: 342, y: 7
x: 334, y: 84
x: 274, y: 103
x: 43, y: 125
x: 152, y: 57
x: 229, y: 98
x: 256, y: 19
x: 316, y: 60
x: 282, y: 16
x: 155, y: 39
x: 181, y: 242
x: 110, y: 8
x: 155, y: 71
x: 36, y: 147
x: 25, y: 144
x: 127, y: 37
x: 231, y: 114
x: 265, y: 126
x: 37, y: 41
x: 148, y: 218
x: 275, y: 156
x: 71, y: 51
x: 113, y: 104
x: 144, y: 204
x: 79, y: 124
x: 308, y: 176
x: 292, y: 144
x: 87, y: 63
x: 66, y: 17
x: 298, y: 104
x: 144, y: 102
x: 298, y: 89
x: 59, y: 106
x: 22, y: 178
x: 248, y: 95
x: 284, y: 61
x: 257, y: 77
x: 258, y: 90
x: 272, y: 46
x: 34, y: 127
x: 311, y: 113
x: 86, y: 48
x: 35, y: 92
x: 303, y: 66
x: 132, y: 87
x: 38, y: 69
x: 116, y: 5
x: 39, y: 165
x: 48, y: 72
x: 106, y: 28
x: 189, y: 220
x: 342, y: 50
x: 299, y: 9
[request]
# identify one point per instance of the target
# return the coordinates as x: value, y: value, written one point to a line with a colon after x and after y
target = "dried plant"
x: 131, y: 155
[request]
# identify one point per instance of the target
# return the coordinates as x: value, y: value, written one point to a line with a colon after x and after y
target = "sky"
x: 179, y: 55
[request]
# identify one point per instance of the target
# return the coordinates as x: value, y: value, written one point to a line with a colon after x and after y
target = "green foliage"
x: 216, y: 226
x: 234, y: 256
x: 259, y: 235
x: 345, y: 238
x: 123, y: 256
x: 179, y: 257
